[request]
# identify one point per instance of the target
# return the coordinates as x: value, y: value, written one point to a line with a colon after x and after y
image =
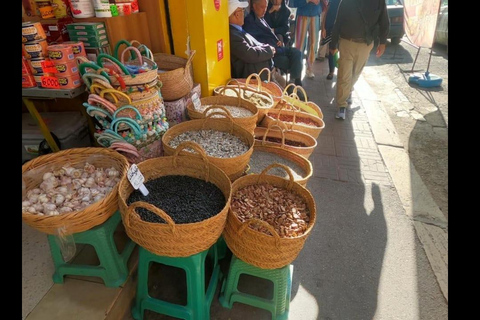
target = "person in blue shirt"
x: 278, y: 18
x: 307, y: 28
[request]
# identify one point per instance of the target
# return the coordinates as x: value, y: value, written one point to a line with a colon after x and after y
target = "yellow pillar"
x: 203, y: 26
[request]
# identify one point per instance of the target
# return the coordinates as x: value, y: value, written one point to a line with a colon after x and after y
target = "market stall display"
x: 75, y: 188
x: 269, y: 219
x: 170, y: 238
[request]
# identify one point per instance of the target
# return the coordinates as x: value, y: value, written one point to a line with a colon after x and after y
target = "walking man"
x: 352, y: 36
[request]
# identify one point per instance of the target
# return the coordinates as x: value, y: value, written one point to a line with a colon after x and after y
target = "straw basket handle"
x: 294, y: 111
x: 119, y: 43
x: 82, y: 68
x: 113, y: 93
x: 131, y: 48
x: 269, y: 73
x: 89, y: 79
x: 125, y: 147
x: 150, y: 207
x: 224, y: 88
x: 129, y: 122
x: 127, y: 106
x: 199, y: 150
x: 265, y: 224
x: 96, y: 99
x: 257, y: 77
x: 103, y: 56
x: 211, y: 114
x: 97, y: 88
x: 294, y: 93
x: 205, y: 112
x: 271, y: 125
x: 263, y: 174
x: 189, y: 61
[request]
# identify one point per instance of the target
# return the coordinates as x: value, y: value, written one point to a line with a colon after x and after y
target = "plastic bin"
x: 71, y: 129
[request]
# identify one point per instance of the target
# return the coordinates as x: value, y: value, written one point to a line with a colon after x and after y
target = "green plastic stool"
x: 282, y: 284
x: 113, y: 266
x: 222, y: 249
x: 198, y: 301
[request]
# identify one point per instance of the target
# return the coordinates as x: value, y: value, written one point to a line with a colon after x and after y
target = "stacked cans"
x: 64, y: 60
x: 34, y: 53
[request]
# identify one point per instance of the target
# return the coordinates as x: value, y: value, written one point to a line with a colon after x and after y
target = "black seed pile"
x: 184, y: 199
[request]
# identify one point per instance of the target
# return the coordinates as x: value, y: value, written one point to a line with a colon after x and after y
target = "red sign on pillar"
x: 219, y: 49
x: 217, y: 4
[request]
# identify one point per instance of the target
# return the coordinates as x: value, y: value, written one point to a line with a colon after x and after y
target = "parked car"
x: 395, y: 15
x: 441, y: 32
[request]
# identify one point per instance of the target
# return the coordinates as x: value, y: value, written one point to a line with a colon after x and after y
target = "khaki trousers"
x: 353, y: 57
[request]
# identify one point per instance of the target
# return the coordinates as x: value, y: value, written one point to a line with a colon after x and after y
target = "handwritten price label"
x: 50, y: 82
x: 48, y: 67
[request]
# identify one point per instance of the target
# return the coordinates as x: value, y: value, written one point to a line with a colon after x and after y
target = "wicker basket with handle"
x: 258, y: 248
x: 234, y: 167
x: 91, y: 216
x: 223, y: 102
x: 176, y: 75
x: 261, y: 134
x: 293, y: 101
x: 255, y: 82
x: 286, y: 154
x: 170, y: 239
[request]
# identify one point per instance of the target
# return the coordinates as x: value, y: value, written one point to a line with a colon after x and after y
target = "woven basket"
x: 176, y: 75
x: 234, y: 167
x: 219, y: 102
x: 91, y: 216
x: 293, y: 101
x: 255, y: 82
x: 299, y: 160
x: 257, y: 248
x: 233, y: 87
x: 273, y: 115
x: 170, y: 239
x: 262, y: 133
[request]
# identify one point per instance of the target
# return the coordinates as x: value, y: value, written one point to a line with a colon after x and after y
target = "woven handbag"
x: 254, y: 81
x: 91, y: 216
x: 258, y: 248
x: 225, y: 104
x: 170, y: 239
x: 300, y: 142
x: 176, y: 75
x: 234, y: 167
x: 293, y: 101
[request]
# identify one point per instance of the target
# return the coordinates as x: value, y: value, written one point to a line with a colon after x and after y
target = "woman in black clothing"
x: 277, y: 17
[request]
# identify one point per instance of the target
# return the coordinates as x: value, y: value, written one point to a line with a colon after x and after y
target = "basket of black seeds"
x: 186, y: 208
x: 226, y: 144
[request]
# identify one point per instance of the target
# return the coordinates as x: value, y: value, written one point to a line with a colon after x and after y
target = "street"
x: 420, y: 115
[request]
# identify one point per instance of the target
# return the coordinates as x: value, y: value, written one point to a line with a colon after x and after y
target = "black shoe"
x: 330, y: 76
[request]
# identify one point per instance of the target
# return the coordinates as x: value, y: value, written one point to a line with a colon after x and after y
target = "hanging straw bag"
x: 234, y: 167
x: 176, y: 75
x: 258, y: 248
x: 296, y: 141
x: 87, y: 218
x: 262, y: 100
x: 227, y: 105
x: 171, y: 239
x: 295, y: 120
x: 301, y: 167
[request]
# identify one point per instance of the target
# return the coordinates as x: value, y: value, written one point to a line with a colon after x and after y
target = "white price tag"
x: 136, y: 179
x: 196, y: 101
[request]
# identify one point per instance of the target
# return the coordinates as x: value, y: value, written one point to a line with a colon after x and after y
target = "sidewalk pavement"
x: 379, y: 246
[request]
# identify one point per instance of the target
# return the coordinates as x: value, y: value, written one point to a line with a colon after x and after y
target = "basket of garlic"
x: 73, y: 190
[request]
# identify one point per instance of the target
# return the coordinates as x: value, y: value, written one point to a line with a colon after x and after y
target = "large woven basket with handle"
x: 234, y: 167
x: 91, y: 216
x: 258, y: 248
x: 170, y: 239
x: 176, y: 75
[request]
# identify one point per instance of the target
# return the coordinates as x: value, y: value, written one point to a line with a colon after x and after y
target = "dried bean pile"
x: 285, y: 210
x: 289, y: 118
x: 288, y: 142
x: 262, y: 159
x: 218, y: 144
x: 185, y: 199
x: 236, y: 112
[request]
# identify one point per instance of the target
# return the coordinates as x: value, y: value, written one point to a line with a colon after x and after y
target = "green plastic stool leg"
x: 198, y: 301
x: 280, y: 303
x: 113, y: 266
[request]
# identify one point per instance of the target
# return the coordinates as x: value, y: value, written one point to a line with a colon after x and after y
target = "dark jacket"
x: 247, y: 55
x: 279, y: 20
x: 260, y: 31
x: 350, y: 24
